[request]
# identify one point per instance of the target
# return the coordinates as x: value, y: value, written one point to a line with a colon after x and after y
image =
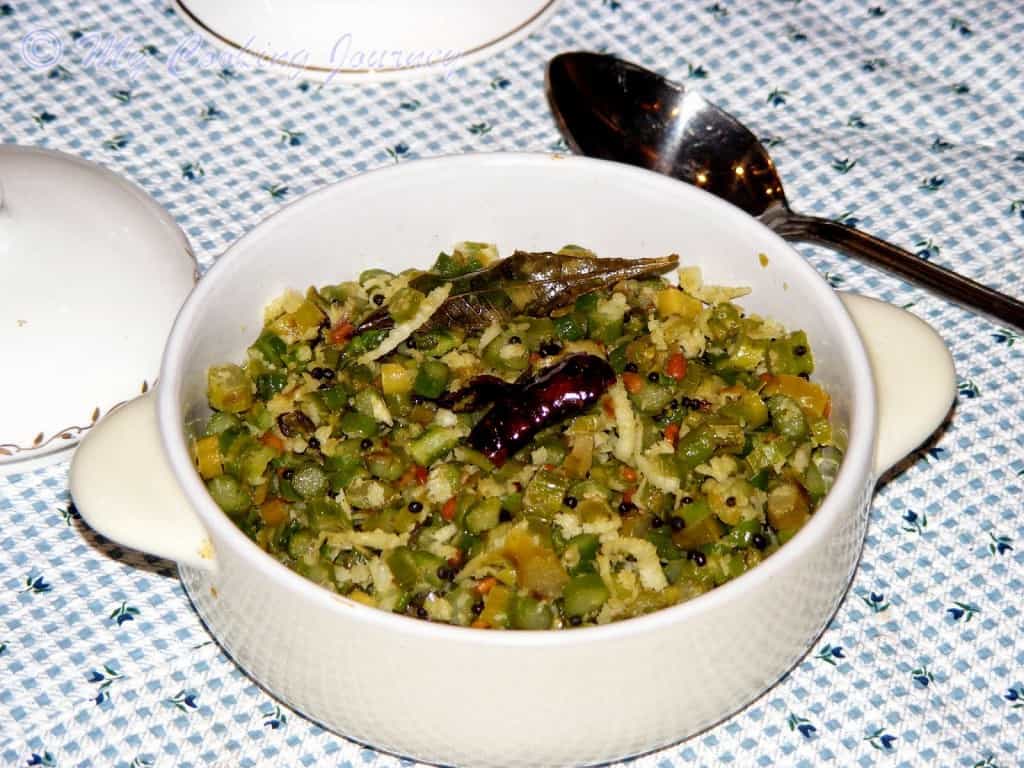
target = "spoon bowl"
x: 609, y: 108
x: 615, y: 110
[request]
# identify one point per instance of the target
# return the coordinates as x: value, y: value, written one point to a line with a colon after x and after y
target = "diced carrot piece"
x: 629, y: 474
x: 341, y: 333
x: 609, y: 407
x: 421, y: 474
x: 448, y: 510
x: 479, y: 624
x: 672, y: 433
x: 486, y: 585
x: 271, y: 440
x: 676, y: 367
x: 633, y: 382
x: 274, y: 511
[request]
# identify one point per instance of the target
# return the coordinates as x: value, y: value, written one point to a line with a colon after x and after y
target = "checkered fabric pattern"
x: 903, y: 118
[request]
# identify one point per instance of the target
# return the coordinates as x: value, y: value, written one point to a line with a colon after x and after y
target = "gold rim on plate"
x: 197, y: 22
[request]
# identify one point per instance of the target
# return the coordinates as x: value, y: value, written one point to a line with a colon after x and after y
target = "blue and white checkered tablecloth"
x: 903, y: 118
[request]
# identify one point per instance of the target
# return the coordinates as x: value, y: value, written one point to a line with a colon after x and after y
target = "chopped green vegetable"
x: 272, y: 347
x: 570, y: 327
x: 529, y: 613
x: 310, y: 482
x: 544, y: 494
x: 220, y: 422
x: 791, y: 355
x: 483, y: 515
x: 431, y: 379
x: 229, y: 389
x: 695, y: 447
x: 584, y: 595
x: 787, y: 418
x: 404, y: 304
x: 433, y: 444
x: 358, y: 425
x: 710, y: 450
x: 229, y: 493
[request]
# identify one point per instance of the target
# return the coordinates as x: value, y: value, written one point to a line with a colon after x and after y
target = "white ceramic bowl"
x: 461, y: 696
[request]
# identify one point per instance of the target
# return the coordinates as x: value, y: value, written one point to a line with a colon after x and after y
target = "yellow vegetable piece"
x: 707, y: 531
x: 812, y: 399
x: 495, y: 612
x: 538, y: 569
x: 274, y: 511
x: 753, y: 409
x: 788, y: 509
x: 208, y: 457
x: 300, y: 325
x: 718, y: 495
x: 259, y: 493
x: 594, y: 510
x: 542, y: 574
x: 673, y: 301
x: 654, y: 600
x: 361, y: 597
x: 577, y: 464
x: 228, y: 388
x: 821, y: 431
x: 395, y: 379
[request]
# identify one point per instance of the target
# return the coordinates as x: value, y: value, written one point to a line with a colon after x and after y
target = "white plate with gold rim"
x: 355, y: 40
x: 92, y: 273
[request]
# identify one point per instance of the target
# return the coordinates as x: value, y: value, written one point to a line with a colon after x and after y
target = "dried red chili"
x: 522, y: 409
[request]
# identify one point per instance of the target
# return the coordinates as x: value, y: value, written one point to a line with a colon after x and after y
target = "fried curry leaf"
x: 533, y: 284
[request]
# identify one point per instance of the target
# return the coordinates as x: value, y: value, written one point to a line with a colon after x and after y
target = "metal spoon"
x: 609, y: 108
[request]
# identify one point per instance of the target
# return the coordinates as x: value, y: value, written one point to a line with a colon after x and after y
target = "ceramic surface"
x: 92, y: 273
x: 446, y: 694
x: 352, y: 40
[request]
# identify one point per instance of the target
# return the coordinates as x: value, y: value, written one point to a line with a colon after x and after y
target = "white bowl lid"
x: 359, y: 40
x: 92, y: 273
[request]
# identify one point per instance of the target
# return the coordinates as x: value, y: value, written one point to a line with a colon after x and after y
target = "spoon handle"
x: 810, y: 229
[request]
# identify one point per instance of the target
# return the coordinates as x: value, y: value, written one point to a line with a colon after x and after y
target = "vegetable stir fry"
x: 578, y: 442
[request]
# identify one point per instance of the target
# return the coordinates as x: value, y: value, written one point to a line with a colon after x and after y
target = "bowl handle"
x: 913, y: 371
x: 125, y: 490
